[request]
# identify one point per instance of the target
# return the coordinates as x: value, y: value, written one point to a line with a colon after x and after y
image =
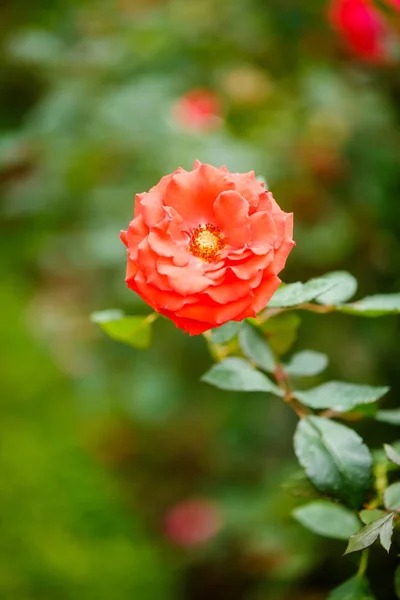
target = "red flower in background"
x: 198, y: 110
x: 192, y: 522
x: 206, y: 246
x: 364, y: 28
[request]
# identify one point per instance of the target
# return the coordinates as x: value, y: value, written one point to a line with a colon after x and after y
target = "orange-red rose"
x: 206, y: 246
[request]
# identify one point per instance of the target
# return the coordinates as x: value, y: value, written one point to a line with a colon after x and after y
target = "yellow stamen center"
x: 207, y: 240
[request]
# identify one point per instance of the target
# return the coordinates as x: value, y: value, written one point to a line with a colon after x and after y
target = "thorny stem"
x: 284, y: 384
x: 219, y: 352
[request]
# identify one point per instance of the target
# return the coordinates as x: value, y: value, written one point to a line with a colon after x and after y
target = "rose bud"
x: 206, y: 246
x: 192, y: 522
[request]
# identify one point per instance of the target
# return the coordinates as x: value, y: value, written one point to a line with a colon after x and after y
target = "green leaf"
x: 368, y: 534
x: 236, y: 374
x: 391, y: 497
x: 392, y: 454
x: 224, y: 333
x: 386, y: 533
x: 374, y: 306
x: 135, y: 331
x: 327, y: 519
x: 104, y: 316
x: 306, y: 363
x: 334, y: 458
x: 294, y: 294
x: 345, y: 288
x: 369, y: 515
x: 356, y: 588
x: 256, y: 349
x: 391, y: 416
x: 281, y: 331
x: 340, y: 396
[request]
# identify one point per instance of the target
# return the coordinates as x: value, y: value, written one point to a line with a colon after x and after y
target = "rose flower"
x: 206, y: 246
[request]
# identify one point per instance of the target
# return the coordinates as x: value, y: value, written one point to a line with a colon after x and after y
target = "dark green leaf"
x: 334, y: 457
x: 391, y: 497
x: 327, y: 519
x: 392, y: 454
x: 369, y: 515
x: 391, y: 416
x: 356, y: 588
x: 281, y: 331
x: 225, y: 332
x: 368, y: 534
x: 294, y: 294
x: 135, y: 331
x: 256, y: 349
x: 340, y: 396
x: 236, y: 374
x: 374, y: 306
x: 345, y: 287
x: 306, y: 363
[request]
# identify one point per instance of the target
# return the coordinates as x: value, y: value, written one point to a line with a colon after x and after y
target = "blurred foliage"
x: 100, y: 440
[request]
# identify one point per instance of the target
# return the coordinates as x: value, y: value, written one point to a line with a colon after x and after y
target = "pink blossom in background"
x: 363, y: 27
x: 199, y: 110
x: 192, y: 522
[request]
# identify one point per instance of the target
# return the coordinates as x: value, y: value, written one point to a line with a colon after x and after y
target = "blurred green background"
x: 99, y: 441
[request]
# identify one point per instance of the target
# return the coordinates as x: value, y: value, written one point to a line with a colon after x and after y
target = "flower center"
x: 207, y: 240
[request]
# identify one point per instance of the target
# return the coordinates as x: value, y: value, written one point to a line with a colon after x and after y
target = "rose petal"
x: 162, y: 299
x: 264, y: 292
x: 217, y: 313
x: 249, y: 187
x: 263, y: 232
x: 131, y: 269
x: 230, y: 290
x: 191, y: 326
x: 249, y: 267
x: 193, y: 194
x: 147, y: 262
x: 231, y: 216
x: 184, y: 280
